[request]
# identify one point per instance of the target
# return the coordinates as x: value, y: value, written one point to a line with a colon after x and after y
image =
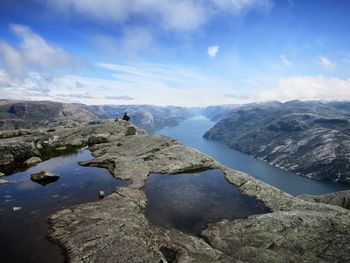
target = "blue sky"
x: 174, y: 52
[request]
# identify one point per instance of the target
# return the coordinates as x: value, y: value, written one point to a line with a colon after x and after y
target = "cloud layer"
x: 177, y: 15
x: 32, y: 53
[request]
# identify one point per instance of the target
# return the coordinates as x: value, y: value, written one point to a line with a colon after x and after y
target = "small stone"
x: 2, y: 174
x: 96, y: 140
x: 44, y: 177
x: 101, y: 194
x: 33, y: 161
x: 2, y: 181
x: 16, y: 208
x: 63, y: 148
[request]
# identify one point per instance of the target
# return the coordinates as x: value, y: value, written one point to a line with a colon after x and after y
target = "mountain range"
x: 311, y: 138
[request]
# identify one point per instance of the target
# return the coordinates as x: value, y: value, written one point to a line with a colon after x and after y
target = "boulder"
x: 101, y: 194
x: 131, y: 130
x: 96, y: 140
x: 44, y: 177
x: 32, y: 161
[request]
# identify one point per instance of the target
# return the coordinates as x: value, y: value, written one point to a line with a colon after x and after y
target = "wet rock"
x: 101, y: 194
x: 2, y: 181
x: 96, y: 140
x: 44, y: 177
x: 63, y: 148
x: 44, y: 144
x: 341, y: 199
x: 16, y: 208
x: 32, y: 161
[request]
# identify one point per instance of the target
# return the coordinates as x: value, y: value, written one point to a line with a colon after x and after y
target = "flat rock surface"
x: 341, y: 199
x: 115, y: 229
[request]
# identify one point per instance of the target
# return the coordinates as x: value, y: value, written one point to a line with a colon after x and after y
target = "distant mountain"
x: 148, y: 117
x: 216, y: 113
x: 311, y: 138
x: 34, y: 114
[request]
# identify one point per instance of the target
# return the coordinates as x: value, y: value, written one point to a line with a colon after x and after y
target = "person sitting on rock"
x: 126, y: 117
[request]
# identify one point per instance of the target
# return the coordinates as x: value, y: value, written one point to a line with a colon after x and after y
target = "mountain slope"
x: 33, y: 114
x: 310, y: 138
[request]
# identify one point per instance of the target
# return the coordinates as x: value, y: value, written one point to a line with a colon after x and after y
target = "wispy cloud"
x: 307, y: 88
x: 136, y: 84
x: 177, y: 15
x: 326, y: 63
x: 32, y: 54
x: 286, y: 61
x: 213, y: 51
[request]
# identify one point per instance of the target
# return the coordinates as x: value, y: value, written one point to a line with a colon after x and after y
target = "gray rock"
x: 341, y: 199
x: 44, y: 177
x: 295, y: 230
x: 32, y: 161
x: 96, y: 140
x: 130, y: 131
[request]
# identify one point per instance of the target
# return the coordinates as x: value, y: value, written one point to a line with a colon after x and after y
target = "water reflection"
x: 23, y: 232
x: 189, y: 202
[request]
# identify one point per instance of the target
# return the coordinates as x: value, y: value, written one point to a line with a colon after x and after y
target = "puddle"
x: 188, y: 202
x: 25, y: 206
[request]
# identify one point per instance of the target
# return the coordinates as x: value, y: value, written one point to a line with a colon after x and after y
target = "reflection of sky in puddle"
x: 23, y: 232
x: 189, y: 202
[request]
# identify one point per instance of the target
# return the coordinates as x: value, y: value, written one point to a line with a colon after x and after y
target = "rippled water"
x: 23, y: 233
x: 189, y: 201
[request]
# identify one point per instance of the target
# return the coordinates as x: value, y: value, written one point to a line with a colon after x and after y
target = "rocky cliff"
x: 115, y: 228
x: 148, y: 117
x: 310, y: 138
x: 34, y: 114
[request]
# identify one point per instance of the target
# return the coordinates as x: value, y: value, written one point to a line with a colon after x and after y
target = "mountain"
x: 33, y: 114
x: 310, y: 138
x: 218, y: 112
x: 148, y: 117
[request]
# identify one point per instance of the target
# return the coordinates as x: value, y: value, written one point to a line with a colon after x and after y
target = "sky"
x: 174, y: 52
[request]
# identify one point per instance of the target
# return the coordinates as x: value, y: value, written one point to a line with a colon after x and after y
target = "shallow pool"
x: 25, y: 206
x: 189, y: 201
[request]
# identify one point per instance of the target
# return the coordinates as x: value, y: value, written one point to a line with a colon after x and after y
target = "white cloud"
x: 178, y: 15
x: 131, y: 84
x: 213, y: 51
x: 33, y: 53
x: 307, y: 88
x: 326, y: 63
x: 238, y: 6
x: 286, y: 61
